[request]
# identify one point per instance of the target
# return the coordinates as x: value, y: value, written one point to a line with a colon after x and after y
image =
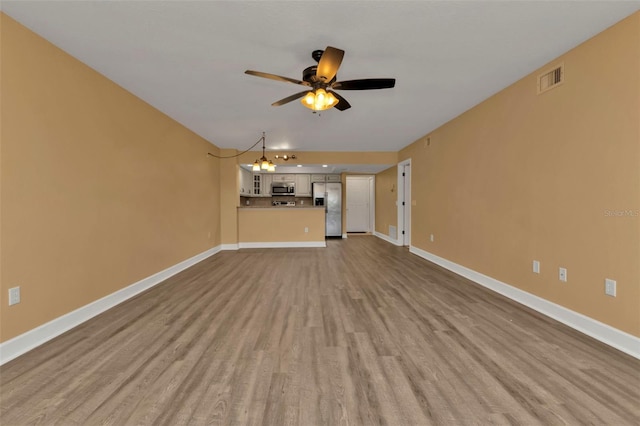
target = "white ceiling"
x: 188, y: 59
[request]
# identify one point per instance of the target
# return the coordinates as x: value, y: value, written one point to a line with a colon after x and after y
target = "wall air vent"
x: 550, y: 79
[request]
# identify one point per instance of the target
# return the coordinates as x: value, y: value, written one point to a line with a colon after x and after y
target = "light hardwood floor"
x: 361, y: 332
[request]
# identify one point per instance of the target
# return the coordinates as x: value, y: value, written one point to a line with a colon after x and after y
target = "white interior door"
x: 358, y: 204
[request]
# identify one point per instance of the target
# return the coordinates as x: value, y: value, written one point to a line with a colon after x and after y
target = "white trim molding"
x: 229, y: 247
x: 283, y: 244
x: 344, y: 236
x: 613, y: 337
x: 25, y: 342
x: 387, y: 238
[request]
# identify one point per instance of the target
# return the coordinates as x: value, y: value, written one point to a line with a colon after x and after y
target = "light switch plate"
x: 610, y: 287
x: 536, y: 266
x: 14, y: 296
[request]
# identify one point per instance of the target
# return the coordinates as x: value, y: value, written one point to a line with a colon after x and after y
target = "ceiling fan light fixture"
x: 256, y: 166
x: 319, y: 100
x: 272, y: 167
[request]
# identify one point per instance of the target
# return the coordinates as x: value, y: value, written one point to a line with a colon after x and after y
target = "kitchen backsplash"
x: 268, y: 201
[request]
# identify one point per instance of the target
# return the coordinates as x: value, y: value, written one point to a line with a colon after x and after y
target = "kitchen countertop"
x: 280, y: 207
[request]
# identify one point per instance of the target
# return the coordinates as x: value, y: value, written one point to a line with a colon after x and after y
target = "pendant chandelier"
x: 263, y: 163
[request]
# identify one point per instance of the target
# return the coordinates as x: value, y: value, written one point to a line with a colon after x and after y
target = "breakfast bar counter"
x: 281, y: 226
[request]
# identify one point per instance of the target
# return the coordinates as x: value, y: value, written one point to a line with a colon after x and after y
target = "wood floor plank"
x: 358, y: 333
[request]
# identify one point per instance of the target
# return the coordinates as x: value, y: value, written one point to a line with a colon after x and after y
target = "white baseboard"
x: 344, y: 236
x: 284, y: 244
x: 33, y: 338
x: 229, y: 247
x: 386, y: 238
x: 613, y: 337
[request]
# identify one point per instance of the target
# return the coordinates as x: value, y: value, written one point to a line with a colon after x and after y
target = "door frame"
x: 404, y: 212
x: 372, y: 200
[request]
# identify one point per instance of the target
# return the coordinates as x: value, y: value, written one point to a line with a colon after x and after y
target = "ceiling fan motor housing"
x: 317, y: 54
x: 309, y: 75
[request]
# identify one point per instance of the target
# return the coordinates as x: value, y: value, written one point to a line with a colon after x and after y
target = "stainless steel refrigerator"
x: 329, y: 195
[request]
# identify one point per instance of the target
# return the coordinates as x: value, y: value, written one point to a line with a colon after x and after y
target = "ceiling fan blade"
x: 329, y: 63
x: 365, y: 84
x: 276, y: 77
x: 290, y: 98
x: 342, y: 102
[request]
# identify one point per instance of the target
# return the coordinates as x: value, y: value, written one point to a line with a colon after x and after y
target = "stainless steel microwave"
x: 283, y: 188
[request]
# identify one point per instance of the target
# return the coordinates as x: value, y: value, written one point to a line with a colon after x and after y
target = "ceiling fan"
x: 321, y: 82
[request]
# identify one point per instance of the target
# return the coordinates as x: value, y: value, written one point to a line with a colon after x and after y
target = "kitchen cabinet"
x: 246, y: 182
x: 266, y: 184
x: 284, y: 178
x: 333, y: 178
x: 303, y: 185
x: 317, y: 178
x: 257, y: 188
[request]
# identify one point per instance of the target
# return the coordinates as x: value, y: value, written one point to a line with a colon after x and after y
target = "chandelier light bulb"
x: 310, y: 98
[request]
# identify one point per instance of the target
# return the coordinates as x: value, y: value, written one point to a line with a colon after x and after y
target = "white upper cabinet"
x: 333, y: 178
x: 259, y: 184
x: 256, y: 188
x: 266, y: 184
x: 303, y: 185
x: 283, y: 178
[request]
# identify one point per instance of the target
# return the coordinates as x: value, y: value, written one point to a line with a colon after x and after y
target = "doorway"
x: 360, y: 204
x: 404, y: 203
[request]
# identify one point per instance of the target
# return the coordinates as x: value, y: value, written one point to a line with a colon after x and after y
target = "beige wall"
x: 99, y: 190
x: 386, y: 197
x: 280, y: 225
x: 525, y: 176
x: 229, y: 196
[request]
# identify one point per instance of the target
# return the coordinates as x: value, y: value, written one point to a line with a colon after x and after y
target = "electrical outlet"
x: 431, y: 237
x: 610, y: 287
x: 306, y: 229
x: 562, y: 274
x: 14, y: 296
x: 536, y: 267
